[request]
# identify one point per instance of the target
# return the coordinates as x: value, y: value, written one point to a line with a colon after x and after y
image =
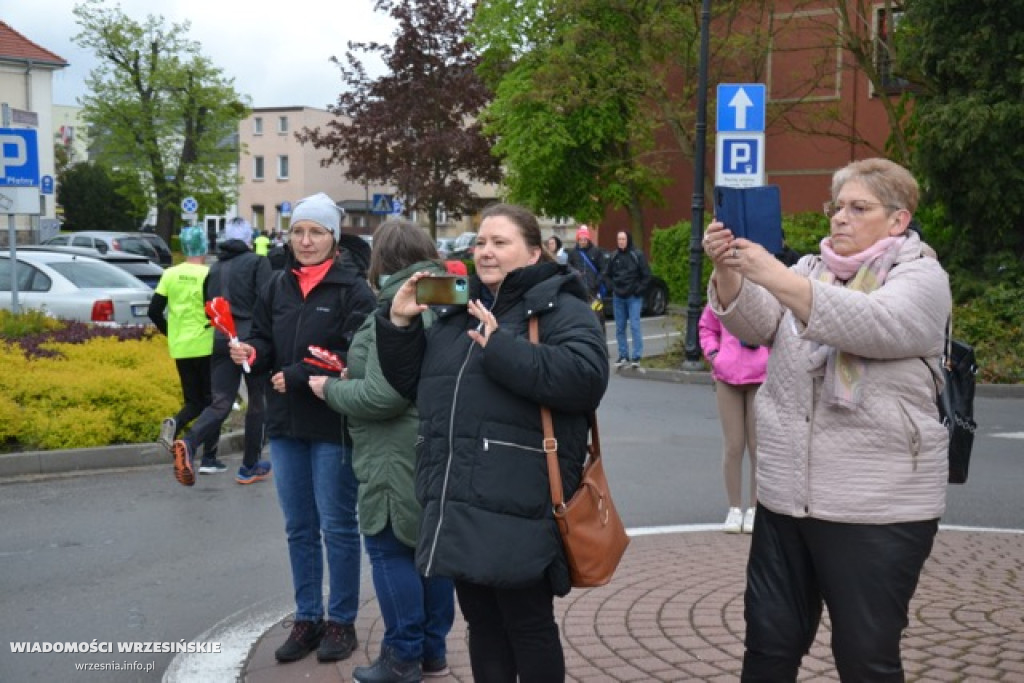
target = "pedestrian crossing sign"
x: 383, y: 204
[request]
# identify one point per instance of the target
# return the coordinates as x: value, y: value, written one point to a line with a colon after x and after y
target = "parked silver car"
x: 75, y: 287
x: 133, y: 264
x: 103, y: 242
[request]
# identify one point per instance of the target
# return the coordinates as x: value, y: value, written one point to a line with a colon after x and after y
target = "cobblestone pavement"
x: 674, y: 612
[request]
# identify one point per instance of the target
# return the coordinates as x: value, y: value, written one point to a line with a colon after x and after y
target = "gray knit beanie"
x: 322, y: 210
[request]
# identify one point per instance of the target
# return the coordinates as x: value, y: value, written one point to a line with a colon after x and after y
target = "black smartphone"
x: 437, y: 290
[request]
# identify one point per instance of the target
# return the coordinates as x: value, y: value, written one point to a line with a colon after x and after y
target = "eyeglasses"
x: 314, y: 234
x: 854, y: 210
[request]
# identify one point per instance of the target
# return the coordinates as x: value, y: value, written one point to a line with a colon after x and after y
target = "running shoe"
x: 183, y: 471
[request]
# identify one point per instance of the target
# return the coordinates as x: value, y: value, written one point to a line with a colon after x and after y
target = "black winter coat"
x: 627, y: 271
x: 481, y: 471
x: 247, y: 273
x: 284, y: 326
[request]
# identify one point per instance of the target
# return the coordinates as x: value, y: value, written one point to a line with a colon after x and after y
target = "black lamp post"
x: 696, y: 298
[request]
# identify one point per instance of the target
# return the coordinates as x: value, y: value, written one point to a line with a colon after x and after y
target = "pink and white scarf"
x: 865, y: 272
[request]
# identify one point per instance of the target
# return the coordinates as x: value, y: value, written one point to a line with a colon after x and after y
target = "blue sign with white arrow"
x: 741, y: 108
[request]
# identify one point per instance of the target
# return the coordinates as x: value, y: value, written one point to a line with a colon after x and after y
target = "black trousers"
x: 865, y: 573
x: 512, y: 633
x: 225, y: 378
x: 194, y: 374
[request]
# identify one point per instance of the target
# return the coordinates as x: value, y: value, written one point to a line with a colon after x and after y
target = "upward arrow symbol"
x: 741, y: 102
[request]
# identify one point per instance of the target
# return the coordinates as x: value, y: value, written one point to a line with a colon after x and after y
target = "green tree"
x: 968, y: 62
x: 572, y: 112
x: 160, y: 109
x: 415, y: 127
x: 96, y: 199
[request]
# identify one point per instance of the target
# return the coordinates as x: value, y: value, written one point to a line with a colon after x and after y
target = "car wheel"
x: 657, y: 300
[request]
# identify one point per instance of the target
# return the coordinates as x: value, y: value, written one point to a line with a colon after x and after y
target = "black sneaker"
x: 435, y: 668
x: 339, y: 642
x: 303, y: 639
x: 388, y: 669
x: 211, y: 466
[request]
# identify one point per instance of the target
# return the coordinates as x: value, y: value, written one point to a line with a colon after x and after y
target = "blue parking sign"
x: 19, y: 157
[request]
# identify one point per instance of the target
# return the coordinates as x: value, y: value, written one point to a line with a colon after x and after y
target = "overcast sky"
x: 278, y: 57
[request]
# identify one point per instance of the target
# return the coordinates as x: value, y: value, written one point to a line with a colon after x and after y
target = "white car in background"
x: 75, y: 287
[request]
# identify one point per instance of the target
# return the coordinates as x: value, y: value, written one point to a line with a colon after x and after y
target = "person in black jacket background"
x: 481, y: 474
x: 238, y: 275
x: 317, y: 299
x: 628, y: 275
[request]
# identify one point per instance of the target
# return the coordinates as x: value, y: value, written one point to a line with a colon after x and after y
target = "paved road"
x: 132, y: 556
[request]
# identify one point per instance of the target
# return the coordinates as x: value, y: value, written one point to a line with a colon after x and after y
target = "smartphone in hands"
x: 439, y: 290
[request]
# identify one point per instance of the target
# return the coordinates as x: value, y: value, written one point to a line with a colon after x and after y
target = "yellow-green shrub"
x: 99, y: 392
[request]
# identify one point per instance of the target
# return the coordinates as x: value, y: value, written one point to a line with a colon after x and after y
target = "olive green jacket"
x: 383, y: 426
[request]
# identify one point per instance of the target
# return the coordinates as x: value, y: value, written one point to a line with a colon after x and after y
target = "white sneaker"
x: 733, y: 521
x: 748, y: 521
x: 168, y: 430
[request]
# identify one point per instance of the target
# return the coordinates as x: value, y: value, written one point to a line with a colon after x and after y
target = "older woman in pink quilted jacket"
x: 852, y: 458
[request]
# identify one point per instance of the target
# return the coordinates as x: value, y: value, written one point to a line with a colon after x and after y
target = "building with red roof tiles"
x: 26, y: 91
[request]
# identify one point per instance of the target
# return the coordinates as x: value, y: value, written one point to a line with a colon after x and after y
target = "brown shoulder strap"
x: 551, y: 444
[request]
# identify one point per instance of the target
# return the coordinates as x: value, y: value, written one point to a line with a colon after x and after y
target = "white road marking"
x: 1008, y: 435
x: 236, y: 634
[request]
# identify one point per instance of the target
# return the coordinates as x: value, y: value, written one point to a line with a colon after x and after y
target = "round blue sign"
x: 189, y: 205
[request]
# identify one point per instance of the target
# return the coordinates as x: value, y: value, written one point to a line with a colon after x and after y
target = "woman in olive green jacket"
x: 417, y: 612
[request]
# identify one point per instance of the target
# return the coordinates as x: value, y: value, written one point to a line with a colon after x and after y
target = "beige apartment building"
x: 276, y: 170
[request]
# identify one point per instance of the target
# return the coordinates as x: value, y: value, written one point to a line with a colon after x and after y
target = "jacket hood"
x: 629, y: 241
x: 229, y: 249
x: 537, y: 286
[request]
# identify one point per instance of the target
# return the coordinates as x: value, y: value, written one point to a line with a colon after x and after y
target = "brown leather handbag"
x: 593, y: 535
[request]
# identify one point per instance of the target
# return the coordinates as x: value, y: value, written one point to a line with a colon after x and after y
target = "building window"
x: 282, y: 167
x: 259, y: 221
x: 257, y: 126
x: 885, y: 24
x: 282, y: 124
x: 257, y: 168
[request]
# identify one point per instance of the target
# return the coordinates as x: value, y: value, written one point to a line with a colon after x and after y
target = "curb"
x: 103, y: 457
x: 35, y: 463
x: 704, y: 377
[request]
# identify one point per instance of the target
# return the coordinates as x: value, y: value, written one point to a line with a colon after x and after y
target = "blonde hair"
x: 894, y: 186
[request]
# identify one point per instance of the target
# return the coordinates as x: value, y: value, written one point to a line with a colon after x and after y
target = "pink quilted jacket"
x: 731, y: 361
x: 884, y: 460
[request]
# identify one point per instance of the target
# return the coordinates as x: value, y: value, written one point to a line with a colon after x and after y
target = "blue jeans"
x: 629, y: 308
x: 418, y: 612
x: 317, y: 491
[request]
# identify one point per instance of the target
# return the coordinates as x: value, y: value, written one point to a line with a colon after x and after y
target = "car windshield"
x: 89, y: 274
x: 135, y: 245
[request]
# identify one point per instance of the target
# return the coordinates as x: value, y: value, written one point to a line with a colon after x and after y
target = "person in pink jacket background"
x: 738, y: 370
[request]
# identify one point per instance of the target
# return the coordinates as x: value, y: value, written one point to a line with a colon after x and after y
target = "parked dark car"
x: 139, y: 266
x: 164, y: 251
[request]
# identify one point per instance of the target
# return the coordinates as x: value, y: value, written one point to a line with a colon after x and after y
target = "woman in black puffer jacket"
x: 481, y: 473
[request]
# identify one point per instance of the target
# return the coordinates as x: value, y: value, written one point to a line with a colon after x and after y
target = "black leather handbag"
x: 956, y: 404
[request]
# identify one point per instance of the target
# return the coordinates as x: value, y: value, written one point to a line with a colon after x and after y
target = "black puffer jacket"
x: 238, y: 275
x: 285, y: 324
x: 481, y: 474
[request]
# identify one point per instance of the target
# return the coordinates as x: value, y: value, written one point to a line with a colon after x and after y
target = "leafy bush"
x: 81, y: 385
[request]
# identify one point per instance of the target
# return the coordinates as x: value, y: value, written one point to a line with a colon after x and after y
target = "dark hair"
x: 397, y: 244
x: 558, y: 241
x: 527, y: 223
